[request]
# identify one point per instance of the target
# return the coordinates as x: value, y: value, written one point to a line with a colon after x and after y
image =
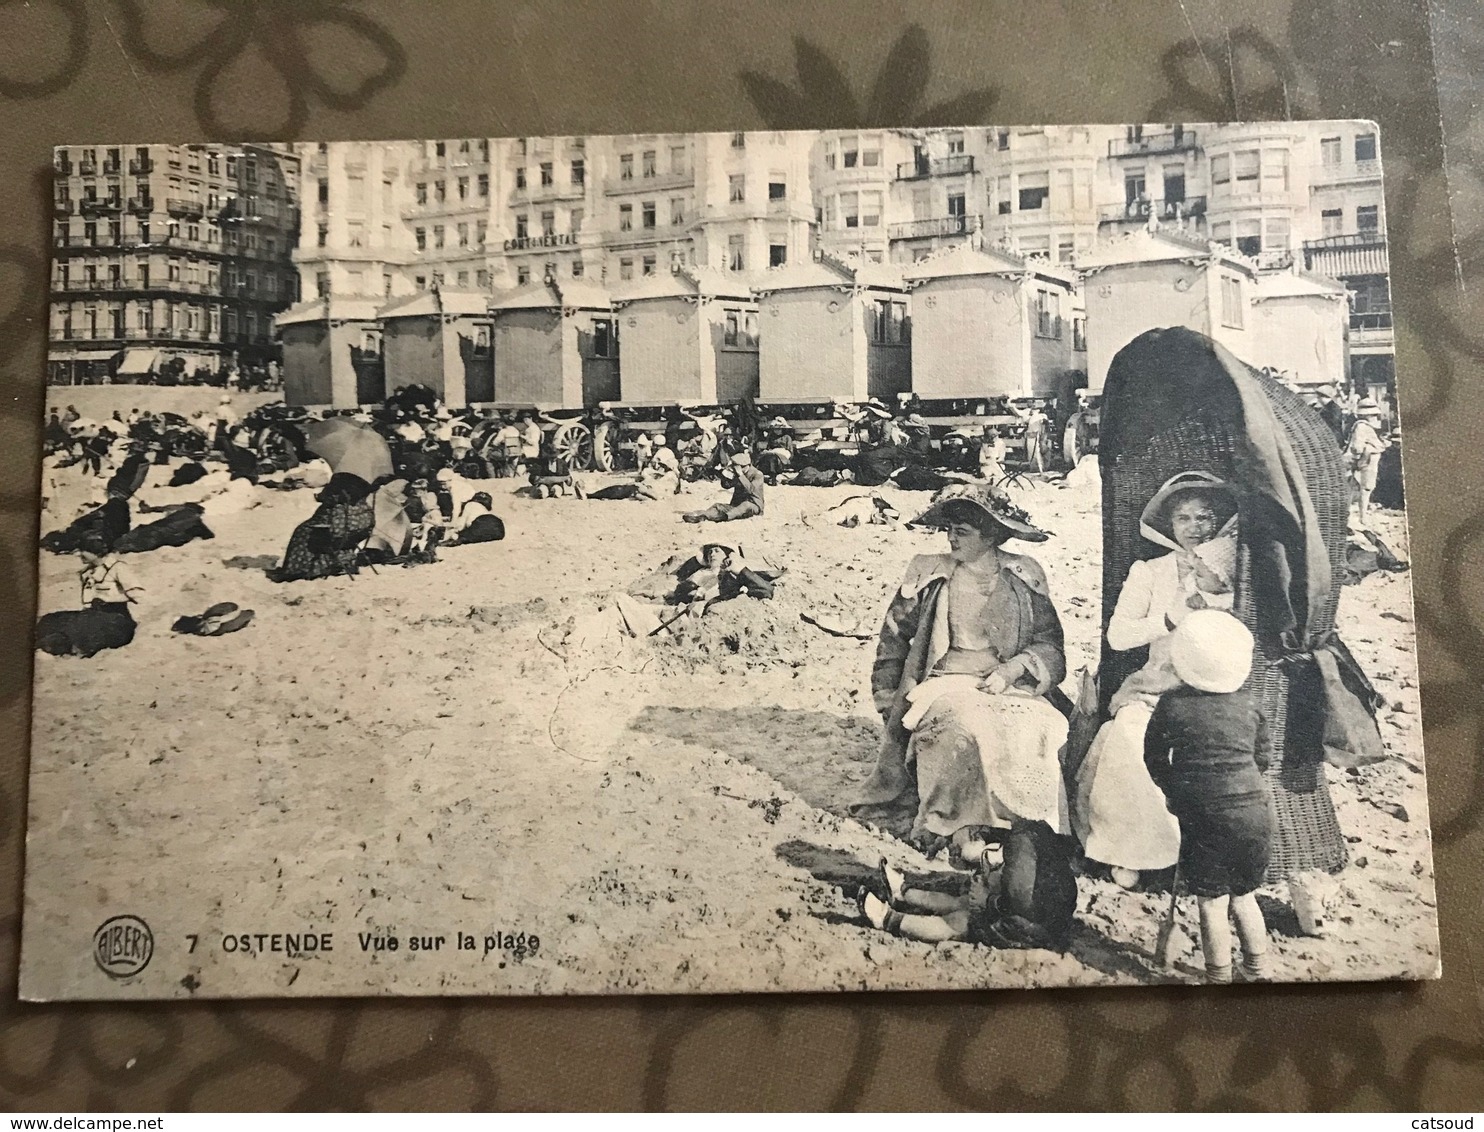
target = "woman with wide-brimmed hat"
x: 970, y: 654
x: 1120, y: 814
x: 1363, y: 456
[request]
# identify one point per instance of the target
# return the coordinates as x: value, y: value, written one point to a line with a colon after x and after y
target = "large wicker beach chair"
x: 1174, y: 401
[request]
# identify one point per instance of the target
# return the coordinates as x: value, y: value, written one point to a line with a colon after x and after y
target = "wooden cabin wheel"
x: 607, y: 455
x: 574, y: 442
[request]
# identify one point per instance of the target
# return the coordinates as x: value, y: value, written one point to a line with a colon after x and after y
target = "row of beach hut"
x: 965, y: 323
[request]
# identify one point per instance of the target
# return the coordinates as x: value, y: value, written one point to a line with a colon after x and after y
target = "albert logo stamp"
x: 123, y: 946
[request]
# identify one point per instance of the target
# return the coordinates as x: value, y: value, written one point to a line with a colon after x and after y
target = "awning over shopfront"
x: 80, y: 355
x: 138, y: 362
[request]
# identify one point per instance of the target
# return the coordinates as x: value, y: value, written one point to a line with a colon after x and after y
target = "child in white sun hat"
x: 1206, y: 748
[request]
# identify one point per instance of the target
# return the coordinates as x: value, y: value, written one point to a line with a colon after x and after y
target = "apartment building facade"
x: 170, y: 258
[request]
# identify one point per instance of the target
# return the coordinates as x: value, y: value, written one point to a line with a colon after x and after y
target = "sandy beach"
x: 472, y: 748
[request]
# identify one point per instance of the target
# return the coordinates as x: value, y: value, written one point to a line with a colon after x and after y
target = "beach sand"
x: 472, y: 747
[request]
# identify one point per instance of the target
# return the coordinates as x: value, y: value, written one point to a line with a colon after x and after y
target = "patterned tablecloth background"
x: 197, y: 70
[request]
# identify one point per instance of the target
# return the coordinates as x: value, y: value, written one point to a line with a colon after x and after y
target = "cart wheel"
x: 575, y: 443
x: 1071, y: 441
x: 607, y: 456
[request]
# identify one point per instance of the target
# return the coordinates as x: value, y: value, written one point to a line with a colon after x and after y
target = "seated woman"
x: 970, y: 653
x: 477, y: 522
x: 1121, y: 816
x: 329, y: 541
x: 104, y: 621
x: 111, y: 521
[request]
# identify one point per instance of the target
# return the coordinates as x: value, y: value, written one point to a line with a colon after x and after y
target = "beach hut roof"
x: 827, y: 271
x: 437, y: 301
x: 336, y: 308
x: 552, y: 296
x: 1159, y: 246
x: 961, y: 260
x: 686, y: 282
x: 1296, y: 284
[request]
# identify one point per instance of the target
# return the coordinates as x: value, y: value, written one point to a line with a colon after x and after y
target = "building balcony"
x: 655, y: 183
x: 87, y: 168
x: 63, y: 168
x: 144, y: 205
x: 191, y: 209
x: 1371, y: 332
x: 62, y: 207
x: 141, y: 166
x: 1147, y: 145
x: 535, y: 194
x: 1360, y: 253
x: 1140, y: 210
x: 1344, y: 173
x: 98, y: 207
x: 955, y: 165
x: 937, y: 226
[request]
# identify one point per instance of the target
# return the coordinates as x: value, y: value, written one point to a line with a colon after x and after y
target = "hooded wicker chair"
x: 1176, y: 401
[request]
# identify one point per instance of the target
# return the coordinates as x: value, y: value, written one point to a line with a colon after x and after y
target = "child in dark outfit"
x: 1206, y: 747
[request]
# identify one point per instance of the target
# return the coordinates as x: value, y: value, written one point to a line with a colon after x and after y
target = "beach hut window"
x: 1231, y: 302
x: 604, y: 340
x: 482, y: 342
x: 741, y: 331
x: 1048, y: 314
x: 889, y: 323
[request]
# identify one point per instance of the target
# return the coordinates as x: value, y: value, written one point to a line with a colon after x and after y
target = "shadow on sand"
x: 823, y: 758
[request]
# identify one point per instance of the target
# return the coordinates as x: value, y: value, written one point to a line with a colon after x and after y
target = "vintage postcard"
x: 801, y: 561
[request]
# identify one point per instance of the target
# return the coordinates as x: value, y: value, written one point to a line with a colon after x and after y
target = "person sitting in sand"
x: 686, y: 586
x: 747, y: 495
x: 329, y: 542
x: 476, y: 522
x: 104, y: 621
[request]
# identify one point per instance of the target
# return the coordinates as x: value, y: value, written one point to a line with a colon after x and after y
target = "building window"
x: 440, y: 191
x: 871, y: 151
x: 1079, y: 333
x: 1246, y: 167
x: 889, y: 326
x: 422, y: 192
x: 955, y: 143
x: 625, y: 218
x: 677, y: 160
x: 829, y: 155
x: 463, y: 279
x: 547, y: 177
x: 741, y: 330
x: 439, y: 149
x: 648, y: 213
x: 522, y: 275
x: 355, y: 234
x: 871, y: 210
x: 548, y: 223
x: 626, y: 167
x: 1133, y: 186
x: 1368, y: 218
x: 520, y: 177
x: 605, y: 342
x: 437, y: 235
x: 574, y: 220
x: 739, y: 141
x: 421, y: 235
x: 463, y: 235
x: 1275, y: 234
x: 1034, y: 189
x: 777, y: 188
x: 650, y: 163
x: 677, y: 211
x: 1002, y: 196
x: 421, y: 282
x: 1248, y: 237
x: 1221, y: 170
x: 647, y: 265
x: 777, y: 255
x: 1231, y: 302
x: 1048, y: 314
x: 736, y: 260
x: 438, y: 279
x: 322, y: 284
x: 386, y: 284
x: 736, y: 187
x: 463, y: 188
x: 1065, y: 249
x: 481, y: 232
x: 577, y: 269
x: 1002, y: 139
x: 481, y: 279
x: 1329, y: 151
x: 1221, y: 233
x: 850, y: 210
x: 1365, y: 147
x: 522, y: 226
x: 579, y: 173
x: 849, y: 152
x: 626, y: 269
x: 484, y: 185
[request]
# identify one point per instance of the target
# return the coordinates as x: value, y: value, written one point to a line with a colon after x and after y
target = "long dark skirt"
x: 84, y: 632
x: 175, y: 529
x: 111, y: 520
x: 328, y: 542
x: 486, y: 528
x: 1225, y: 844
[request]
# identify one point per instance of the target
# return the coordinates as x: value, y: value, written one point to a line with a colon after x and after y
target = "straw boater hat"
x: 875, y: 407
x: 1368, y: 408
x: 778, y: 422
x: 992, y: 501
x: 1211, y: 651
x: 914, y: 420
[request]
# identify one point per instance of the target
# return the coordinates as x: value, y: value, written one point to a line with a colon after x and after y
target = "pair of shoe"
x: 218, y: 620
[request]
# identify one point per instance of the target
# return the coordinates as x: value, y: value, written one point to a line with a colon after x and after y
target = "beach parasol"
x: 349, y: 446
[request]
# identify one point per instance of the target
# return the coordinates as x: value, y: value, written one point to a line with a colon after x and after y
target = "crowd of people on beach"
x: 1170, y: 792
